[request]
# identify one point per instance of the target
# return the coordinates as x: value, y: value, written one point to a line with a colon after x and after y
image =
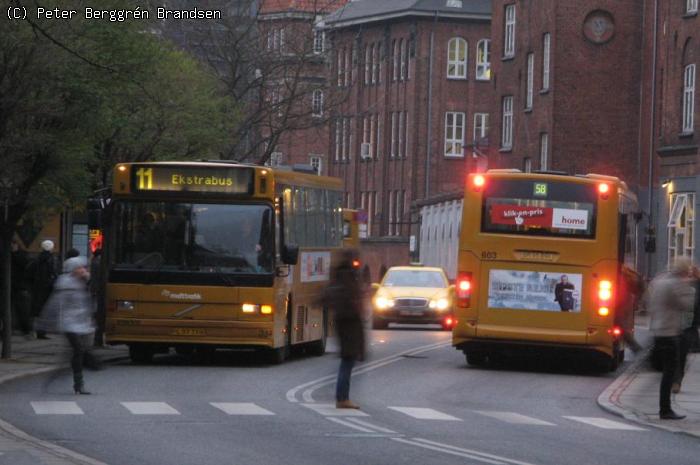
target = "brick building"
x: 415, y: 81
x: 294, y: 40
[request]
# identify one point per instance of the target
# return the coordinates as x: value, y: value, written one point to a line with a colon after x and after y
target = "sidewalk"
x: 30, y: 358
x: 635, y: 396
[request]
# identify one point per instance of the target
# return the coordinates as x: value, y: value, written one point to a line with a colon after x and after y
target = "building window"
x: 402, y: 134
x: 688, y: 98
x: 509, y: 39
x: 373, y: 135
x: 319, y: 41
x: 275, y: 40
x: 544, y: 151
x: 341, y: 56
x: 317, y: 103
x: 346, y: 138
x: 530, y: 76
x: 507, y: 129
x: 276, y: 159
x: 395, y: 70
x: 454, y: 3
x: 681, y: 222
x: 546, y: 45
x: 481, y: 130
x: 691, y: 6
x: 527, y: 165
x: 316, y: 162
x: 368, y: 64
x: 348, y: 67
x: 454, y: 134
x: 338, y: 136
x: 392, y: 151
x: 457, y: 58
x: 402, y: 74
x: 399, y: 212
x: 483, y: 60
x: 80, y: 238
x: 375, y: 63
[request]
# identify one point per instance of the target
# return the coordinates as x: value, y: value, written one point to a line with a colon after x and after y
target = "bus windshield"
x: 539, y: 208
x: 197, y: 237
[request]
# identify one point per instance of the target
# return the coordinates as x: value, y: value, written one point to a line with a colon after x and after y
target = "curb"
x: 608, y: 400
x: 20, y: 436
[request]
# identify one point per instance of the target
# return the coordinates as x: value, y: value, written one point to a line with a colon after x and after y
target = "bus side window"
x: 622, y: 239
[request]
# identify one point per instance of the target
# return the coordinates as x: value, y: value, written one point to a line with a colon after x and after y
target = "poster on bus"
x: 550, y: 291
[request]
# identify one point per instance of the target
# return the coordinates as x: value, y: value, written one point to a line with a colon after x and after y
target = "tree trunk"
x: 5, y: 289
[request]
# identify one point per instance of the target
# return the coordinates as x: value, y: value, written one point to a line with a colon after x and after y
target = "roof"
x: 416, y: 267
x: 300, y: 6
x: 363, y: 11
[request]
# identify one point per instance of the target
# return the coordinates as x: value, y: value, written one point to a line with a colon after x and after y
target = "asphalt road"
x: 420, y: 404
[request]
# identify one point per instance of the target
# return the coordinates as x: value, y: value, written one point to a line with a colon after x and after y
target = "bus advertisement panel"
x: 535, y: 290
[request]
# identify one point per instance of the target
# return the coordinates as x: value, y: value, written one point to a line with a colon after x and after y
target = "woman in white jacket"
x: 69, y: 311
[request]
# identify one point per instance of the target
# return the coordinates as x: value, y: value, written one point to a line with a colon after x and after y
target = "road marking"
x: 56, y: 408
x: 424, y: 413
x: 448, y: 451
x: 605, y: 423
x: 370, y: 425
x: 514, y: 418
x: 477, y: 453
x: 240, y: 408
x: 329, y: 410
x: 316, y: 384
x: 350, y: 425
x: 150, y: 408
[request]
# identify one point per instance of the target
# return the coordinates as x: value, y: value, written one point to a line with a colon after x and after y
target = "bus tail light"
x: 604, y: 190
x: 615, y: 331
x: 478, y: 181
x: 449, y: 321
x: 464, y: 289
x: 266, y: 309
x: 605, y: 293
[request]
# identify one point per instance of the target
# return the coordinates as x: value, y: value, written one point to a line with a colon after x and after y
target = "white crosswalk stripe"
x: 329, y: 410
x: 514, y: 418
x: 422, y: 413
x: 56, y: 408
x: 150, y: 408
x: 240, y: 408
x: 604, y: 423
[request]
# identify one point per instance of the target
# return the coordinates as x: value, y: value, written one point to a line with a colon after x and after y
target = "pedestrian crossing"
x: 339, y: 416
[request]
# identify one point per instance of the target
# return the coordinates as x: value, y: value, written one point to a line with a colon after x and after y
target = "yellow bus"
x: 546, y: 261
x: 206, y: 255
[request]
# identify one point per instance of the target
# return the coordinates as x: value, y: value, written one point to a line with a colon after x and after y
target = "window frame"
x: 317, y: 98
x: 529, y: 95
x: 483, y: 128
x: 451, y: 130
x: 509, y: 31
x: 546, y: 57
x: 457, y: 62
x: 483, y: 60
x: 676, y: 228
x: 544, y: 151
x: 691, y: 7
x: 688, y: 105
x: 507, y: 122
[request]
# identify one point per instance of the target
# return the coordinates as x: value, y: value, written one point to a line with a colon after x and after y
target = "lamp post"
x: 5, y: 259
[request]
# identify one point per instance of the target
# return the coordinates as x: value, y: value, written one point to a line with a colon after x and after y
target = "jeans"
x: 669, y: 354
x: 342, y: 387
x: 77, y: 344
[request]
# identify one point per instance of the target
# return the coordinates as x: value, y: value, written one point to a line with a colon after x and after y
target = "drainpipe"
x: 430, y: 108
x: 650, y: 181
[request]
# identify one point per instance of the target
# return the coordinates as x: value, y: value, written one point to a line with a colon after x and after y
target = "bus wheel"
x: 184, y: 349
x: 475, y: 359
x: 278, y: 355
x: 140, y: 353
x: 379, y: 324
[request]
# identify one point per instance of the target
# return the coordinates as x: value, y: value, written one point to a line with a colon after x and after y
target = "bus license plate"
x: 189, y: 332
x: 410, y: 313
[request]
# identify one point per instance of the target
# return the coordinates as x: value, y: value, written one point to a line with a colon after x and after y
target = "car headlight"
x: 439, y: 304
x: 383, y: 303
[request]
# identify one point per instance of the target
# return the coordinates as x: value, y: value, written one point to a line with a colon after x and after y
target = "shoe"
x: 676, y: 388
x: 42, y: 336
x: 81, y: 391
x: 671, y: 415
x: 346, y: 404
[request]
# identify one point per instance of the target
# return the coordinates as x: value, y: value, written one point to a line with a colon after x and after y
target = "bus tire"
x: 379, y: 324
x: 475, y: 359
x: 184, y: 349
x: 278, y: 355
x: 140, y: 353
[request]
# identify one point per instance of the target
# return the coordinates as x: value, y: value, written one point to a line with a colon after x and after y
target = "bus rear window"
x: 539, y: 208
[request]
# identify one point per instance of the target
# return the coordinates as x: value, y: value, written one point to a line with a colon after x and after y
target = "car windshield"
x: 194, y: 237
x: 414, y: 278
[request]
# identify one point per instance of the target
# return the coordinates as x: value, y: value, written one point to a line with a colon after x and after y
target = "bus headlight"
x: 125, y: 305
x: 383, y: 303
x: 439, y: 304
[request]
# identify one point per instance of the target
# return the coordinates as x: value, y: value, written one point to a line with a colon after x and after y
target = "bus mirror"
x: 290, y: 254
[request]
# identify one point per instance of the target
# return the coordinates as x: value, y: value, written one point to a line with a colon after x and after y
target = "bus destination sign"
x: 173, y: 178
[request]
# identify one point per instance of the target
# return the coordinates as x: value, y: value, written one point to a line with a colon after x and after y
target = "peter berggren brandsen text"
x: 121, y: 15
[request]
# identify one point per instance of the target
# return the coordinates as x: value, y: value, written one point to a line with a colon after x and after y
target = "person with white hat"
x: 69, y: 311
x: 42, y: 273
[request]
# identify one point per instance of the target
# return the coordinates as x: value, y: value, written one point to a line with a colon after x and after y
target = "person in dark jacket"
x: 42, y: 273
x: 20, y: 290
x: 344, y: 296
x: 69, y: 311
x: 564, y: 294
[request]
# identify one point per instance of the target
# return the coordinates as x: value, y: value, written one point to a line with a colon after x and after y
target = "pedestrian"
x: 671, y: 295
x: 689, y: 334
x: 344, y: 296
x: 69, y: 311
x: 19, y: 291
x: 42, y: 273
x: 72, y: 252
x: 564, y: 294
